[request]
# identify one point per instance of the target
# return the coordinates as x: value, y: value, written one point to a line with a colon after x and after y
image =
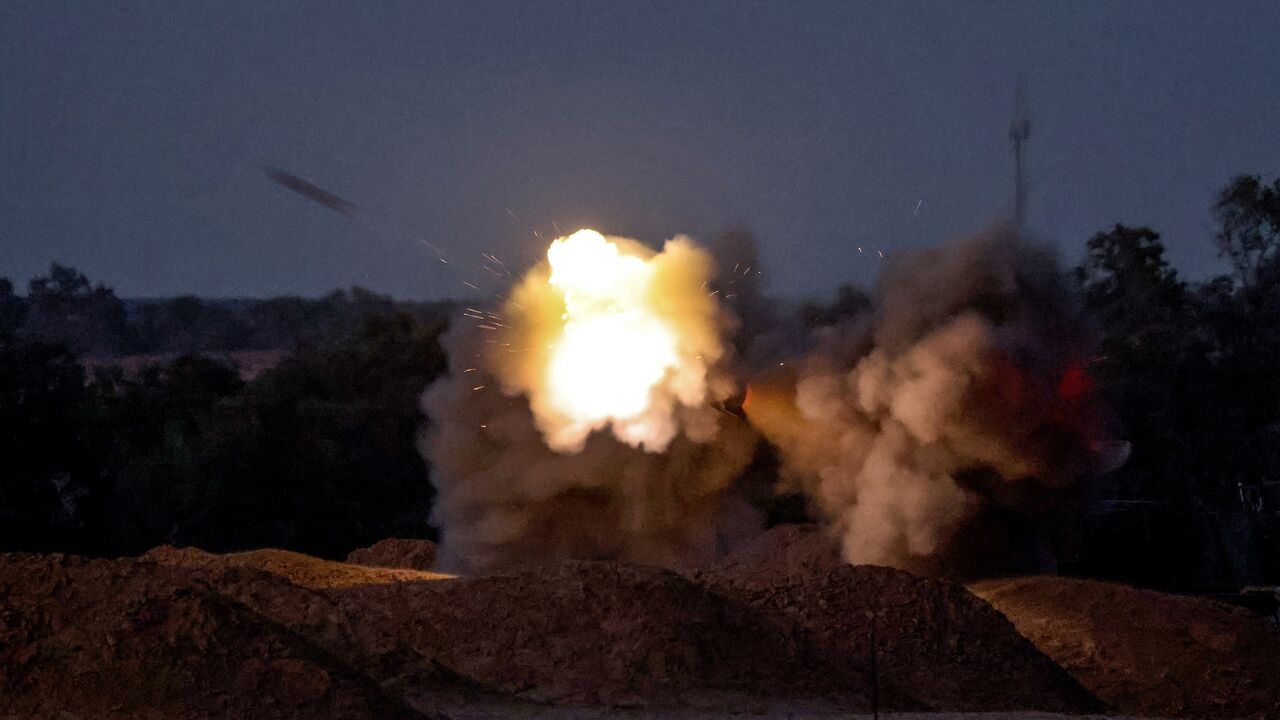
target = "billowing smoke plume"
x: 583, y: 419
x: 962, y: 393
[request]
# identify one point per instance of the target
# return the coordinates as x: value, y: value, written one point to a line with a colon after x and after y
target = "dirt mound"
x: 781, y: 623
x: 299, y: 569
x: 577, y: 634
x: 1148, y: 653
x: 601, y: 633
x: 123, y: 638
x: 294, y: 591
x: 933, y: 639
x: 396, y: 553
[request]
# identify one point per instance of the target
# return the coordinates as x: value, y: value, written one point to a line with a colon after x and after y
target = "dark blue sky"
x: 133, y: 135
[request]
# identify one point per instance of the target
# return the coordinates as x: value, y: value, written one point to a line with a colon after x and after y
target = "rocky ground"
x: 780, y: 628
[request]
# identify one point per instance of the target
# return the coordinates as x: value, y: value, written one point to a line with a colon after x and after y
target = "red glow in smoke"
x: 1075, y: 384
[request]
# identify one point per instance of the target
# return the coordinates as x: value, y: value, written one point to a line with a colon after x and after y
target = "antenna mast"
x: 1019, y: 133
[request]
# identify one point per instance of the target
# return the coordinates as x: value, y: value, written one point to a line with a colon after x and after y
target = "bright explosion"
x: 616, y: 336
x: 613, y: 349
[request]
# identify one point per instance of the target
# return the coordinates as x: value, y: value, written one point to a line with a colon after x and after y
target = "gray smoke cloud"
x: 962, y: 392
x: 956, y: 399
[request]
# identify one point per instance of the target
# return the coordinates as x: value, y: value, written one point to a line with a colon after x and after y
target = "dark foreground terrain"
x: 779, y: 628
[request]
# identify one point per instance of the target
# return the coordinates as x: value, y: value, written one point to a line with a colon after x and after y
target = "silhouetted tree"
x: 281, y: 322
x: 41, y: 395
x: 1193, y: 374
x: 1129, y: 285
x: 152, y: 436
x: 317, y: 455
x: 13, y: 309
x: 1142, y: 310
x: 1240, y: 321
x: 1249, y: 212
x: 320, y: 453
x: 64, y: 307
x: 187, y: 324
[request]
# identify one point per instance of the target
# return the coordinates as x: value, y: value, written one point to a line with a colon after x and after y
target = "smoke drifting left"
x: 937, y: 431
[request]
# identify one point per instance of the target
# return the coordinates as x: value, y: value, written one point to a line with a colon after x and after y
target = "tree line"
x: 1192, y: 372
x: 64, y: 307
x: 318, y: 454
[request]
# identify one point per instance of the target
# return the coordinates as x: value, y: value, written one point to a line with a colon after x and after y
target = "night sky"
x: 134, y: 136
